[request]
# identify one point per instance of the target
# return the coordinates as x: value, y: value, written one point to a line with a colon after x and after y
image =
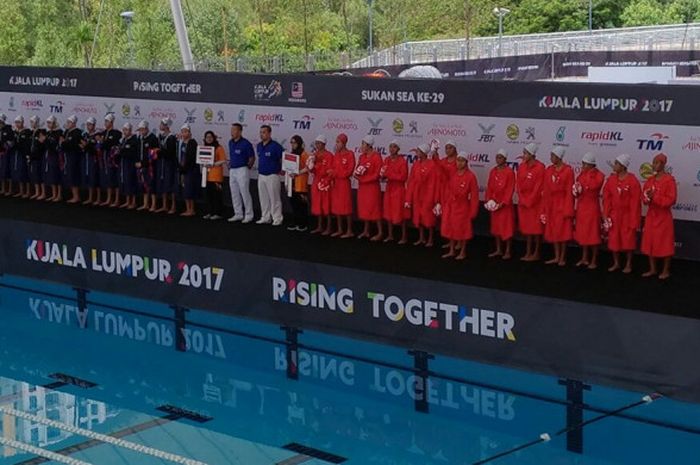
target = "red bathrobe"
x: 369, y: 193
x: 587, y: 227
x: 341, y: 192
x: 500, y: 188
x: 530, y: 179
x: 558, y: 203
x: 423, y: 192
x: 448, y: 166
x: 463, y: 201
x: 322, y: 183
x: 622, y: 204
x: 396, y: 174
x: 658, y: 239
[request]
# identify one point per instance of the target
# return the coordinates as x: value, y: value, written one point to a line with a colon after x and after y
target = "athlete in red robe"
x: 423, y: 194
x: 558, y: 205
x: 395, y: 172
x: 587, y: 226
x: 369, y: 194
x: 321, y: 163
x: 448, y: 166
x: 658, y: 240
x: 529, y: 183
x: 499, y: 201
x: 622, y: 211
x: 462, y: 197
x: 341, y: 189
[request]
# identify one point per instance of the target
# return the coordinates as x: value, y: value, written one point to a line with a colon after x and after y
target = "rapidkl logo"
x: 312, y: 295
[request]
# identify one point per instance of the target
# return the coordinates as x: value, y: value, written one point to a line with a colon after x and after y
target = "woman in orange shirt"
x: 215, y: 178
x: 300, y: 189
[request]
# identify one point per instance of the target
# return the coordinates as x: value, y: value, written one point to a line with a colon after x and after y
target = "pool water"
x: 103, y: 379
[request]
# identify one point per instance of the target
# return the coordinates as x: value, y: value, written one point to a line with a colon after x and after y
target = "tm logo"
x: 303, y: 124
x: 57, y: 108
x: 655, y: 142
x: 375, y: 130
x: 486, y: 133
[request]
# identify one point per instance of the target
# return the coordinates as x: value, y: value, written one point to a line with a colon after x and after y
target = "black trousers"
x: 215, y: 198
x: 300, y: 208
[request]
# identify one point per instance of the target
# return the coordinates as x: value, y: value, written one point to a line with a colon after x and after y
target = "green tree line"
x: 66, y: 32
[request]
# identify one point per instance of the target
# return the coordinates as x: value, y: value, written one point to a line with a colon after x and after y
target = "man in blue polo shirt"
x: 241, y: 160
x: 269, y: 168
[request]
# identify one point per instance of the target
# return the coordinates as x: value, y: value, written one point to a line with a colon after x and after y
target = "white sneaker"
x: 215, y: 217
x: 292, y: 228
x: 248, y: 220
x: 263, y: 221
x: 233, y: 219
x: 277, y: 223
x: 206, y: 217
x: 302, y: 228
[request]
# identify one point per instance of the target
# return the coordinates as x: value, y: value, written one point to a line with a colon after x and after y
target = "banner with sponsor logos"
x: 562, y: 338
x: 480, y: 117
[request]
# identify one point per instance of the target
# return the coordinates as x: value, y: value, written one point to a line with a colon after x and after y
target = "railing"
x: 671, y: 37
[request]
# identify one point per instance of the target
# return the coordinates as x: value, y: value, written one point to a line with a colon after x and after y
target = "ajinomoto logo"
x: 447, y: 316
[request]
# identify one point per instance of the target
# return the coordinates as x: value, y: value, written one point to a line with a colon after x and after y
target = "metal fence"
x: 671, y: 37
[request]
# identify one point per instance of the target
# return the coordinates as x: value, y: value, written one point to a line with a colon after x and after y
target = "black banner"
x: 631, y: 349
x: 673, y: 105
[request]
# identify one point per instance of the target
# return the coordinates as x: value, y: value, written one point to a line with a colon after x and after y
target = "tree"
x: 644, y: 13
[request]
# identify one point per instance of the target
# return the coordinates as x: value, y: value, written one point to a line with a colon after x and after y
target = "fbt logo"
x: 56, y: 107
x: 304, y: 123
x: 655, y: 142
x: 312, y: 295
x: 374, y: 130
x: 486, y: 133
x: 450, y: 317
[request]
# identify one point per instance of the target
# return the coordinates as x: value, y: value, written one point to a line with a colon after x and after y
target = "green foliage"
x: 66, y: 32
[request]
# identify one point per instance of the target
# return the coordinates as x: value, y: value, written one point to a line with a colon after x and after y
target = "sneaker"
x: 247, y: 220
x: 233, y: 219
x: 292, y: 228
x: 277, y: 223
x: 263, y: 221
x: 302, y: 228
x: 206, y: 217
x: 215, y: 217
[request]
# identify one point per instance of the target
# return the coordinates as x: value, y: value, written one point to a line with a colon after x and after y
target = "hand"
x: 138, y: 164
x: 543, y: 218
x: 407, y: 205
x: 437, y: 209
x: 292, y: 175
x: 382, y: 172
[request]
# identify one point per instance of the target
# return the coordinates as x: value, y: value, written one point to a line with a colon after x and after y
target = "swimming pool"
x: 104, y: 379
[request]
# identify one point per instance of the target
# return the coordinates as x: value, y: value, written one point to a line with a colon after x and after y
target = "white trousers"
x: 239, y: 182
x: 270, y: 200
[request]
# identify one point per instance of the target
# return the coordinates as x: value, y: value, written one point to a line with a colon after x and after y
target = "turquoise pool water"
x: 115, y: 380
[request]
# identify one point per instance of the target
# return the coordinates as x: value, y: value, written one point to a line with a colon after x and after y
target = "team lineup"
x: 438, y: 193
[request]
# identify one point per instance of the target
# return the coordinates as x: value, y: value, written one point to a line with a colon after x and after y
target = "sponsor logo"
x: 693, y: 145
x: 602, y: 138
x: 487, y: 135
x: 220, y: 116
x: 312, y: 295
x: 137, y: 111
x: 447, y: 316
x: 655, y: 142
x: 241, y: 116
x: 57, y: 107
x: 560, y: 136
x: 686, y: 207
x: 109, y: 108
x: 208, y: 115
x: 33, y: 104
x: 697, y: 177
x: 190, y: 118
x: 297, y: 93
x: 340, y: 124
x: 269, y: 91
x: 374, y: 130
x: 11, y: 103
x: 513, y: 132
x: 84, y: 109
x: 160, y: 113
x: 304, y: 123
x: 397, y: 126
x: 270, y: 118
x: 478, y: 159
x: 530, y: 131
x: 447, y: 130
x: 413, y: 125
x: 126, y: 110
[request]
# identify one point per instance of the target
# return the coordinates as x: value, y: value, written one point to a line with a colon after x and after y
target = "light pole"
x: 590, y: 15
x: 128, y: 17
x: 500, y: 13
x: 371, y: 32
